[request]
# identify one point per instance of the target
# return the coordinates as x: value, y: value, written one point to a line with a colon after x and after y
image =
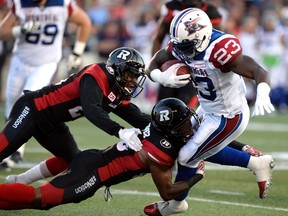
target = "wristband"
x: 16, y: 31
x: 194, y: 179
x: 263, y: 88
x: 155, y: 75
x: 79, y: 47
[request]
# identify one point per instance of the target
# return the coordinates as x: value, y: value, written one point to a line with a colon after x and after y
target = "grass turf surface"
x: 222, y: 192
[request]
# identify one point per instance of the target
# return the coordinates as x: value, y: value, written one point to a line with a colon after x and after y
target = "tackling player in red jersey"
x: 92, y: 169
x: 93, y: 92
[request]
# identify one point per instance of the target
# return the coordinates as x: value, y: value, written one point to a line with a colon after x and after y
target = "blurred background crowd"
x: 260, y: 25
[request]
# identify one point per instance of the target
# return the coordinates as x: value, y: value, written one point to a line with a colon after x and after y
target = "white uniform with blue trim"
x: 36, y: 55
x: 221, y: 97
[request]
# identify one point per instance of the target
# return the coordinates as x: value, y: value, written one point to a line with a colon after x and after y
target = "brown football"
x: 183, y: 69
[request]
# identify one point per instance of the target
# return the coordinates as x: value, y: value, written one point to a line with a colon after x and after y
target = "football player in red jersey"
x: 93, y: 92
x: 92, y: 169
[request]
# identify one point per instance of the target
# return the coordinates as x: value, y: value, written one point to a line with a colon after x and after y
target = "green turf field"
x: 223, y: 192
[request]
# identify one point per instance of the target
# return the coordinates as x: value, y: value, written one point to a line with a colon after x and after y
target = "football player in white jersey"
x: 217, y: 70
x: 38, y: 27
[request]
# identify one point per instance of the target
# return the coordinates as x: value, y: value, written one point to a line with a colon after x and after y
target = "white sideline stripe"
x: 117, y: 191
x: 130, y: 192
x: 270, y: 127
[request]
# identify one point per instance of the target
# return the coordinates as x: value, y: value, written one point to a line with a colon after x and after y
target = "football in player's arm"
x: 217, y: 70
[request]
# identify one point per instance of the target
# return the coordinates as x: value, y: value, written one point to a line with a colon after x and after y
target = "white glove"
x: 27, y: 27
x: 30, y: 27
x: 169, y: 78
x: 263, y: 102
x: 74, y: 62
x: 130, y: 137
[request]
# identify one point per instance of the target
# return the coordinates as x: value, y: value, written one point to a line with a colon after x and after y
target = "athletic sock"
x: 183, y: 174
x: 230, y: 156
x: 55, y: 165
x: 34, y: 174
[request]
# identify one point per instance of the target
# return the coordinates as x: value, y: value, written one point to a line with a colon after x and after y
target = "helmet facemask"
x: 127, y: 66
x: 130, y: 78
x: 187, y: 49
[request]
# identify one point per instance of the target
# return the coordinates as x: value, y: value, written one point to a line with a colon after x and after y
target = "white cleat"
x: 263, y: 170
x: 165, y: 208
x: 11, y: 179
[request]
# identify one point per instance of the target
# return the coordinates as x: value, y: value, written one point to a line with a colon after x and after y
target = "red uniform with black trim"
x: 43, y: 113
x: 93, y: 169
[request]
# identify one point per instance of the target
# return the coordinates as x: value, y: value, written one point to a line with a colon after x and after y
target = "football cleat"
x: 164, y: 208
x: 263, y: 172
x: 252, y: 151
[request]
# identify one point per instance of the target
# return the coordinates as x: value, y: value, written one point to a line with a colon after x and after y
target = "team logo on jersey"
x: 192, y: 26
x: 165, y: 143
x: 112, y: 96
x: 121, y: 146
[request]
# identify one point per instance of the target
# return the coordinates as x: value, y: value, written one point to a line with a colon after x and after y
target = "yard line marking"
x: 227, y: 192
x: 129, y: 192
x: 270, y: 127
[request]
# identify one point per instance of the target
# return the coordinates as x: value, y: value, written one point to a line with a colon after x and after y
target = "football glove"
x: 30, y: 27
x: 25, y: 28
x: 75, y: 59
x: 74, y: 62
x: 263, y: 102
x: 130, y: 138
x: 169, y: 78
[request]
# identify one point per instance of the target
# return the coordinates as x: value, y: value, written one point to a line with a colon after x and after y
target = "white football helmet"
x: 190, y: 32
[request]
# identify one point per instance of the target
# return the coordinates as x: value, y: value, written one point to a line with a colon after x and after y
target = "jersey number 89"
x: 47, y: 38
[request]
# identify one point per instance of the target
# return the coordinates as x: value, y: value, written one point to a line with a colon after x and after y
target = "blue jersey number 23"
x: 210, y: 93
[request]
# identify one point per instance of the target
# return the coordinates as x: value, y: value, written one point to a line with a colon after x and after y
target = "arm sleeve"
x: 133, y: 115
x: 91, y: 97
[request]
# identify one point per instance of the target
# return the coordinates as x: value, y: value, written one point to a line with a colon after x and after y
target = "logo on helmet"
x: 164, y: 116
x: 192, y: 26
x: 124, y: 54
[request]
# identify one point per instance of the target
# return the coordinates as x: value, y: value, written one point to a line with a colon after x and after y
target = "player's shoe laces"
x: 254, y: 152
x: 263, y: 172
x: 11, y: 179
x: 164, y: 208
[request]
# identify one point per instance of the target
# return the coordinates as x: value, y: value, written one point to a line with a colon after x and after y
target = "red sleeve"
x: 99, y: 76
x: 11, y: 6
x: 157, y: 155
x: 71, y: 7
x: 225, y: 51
